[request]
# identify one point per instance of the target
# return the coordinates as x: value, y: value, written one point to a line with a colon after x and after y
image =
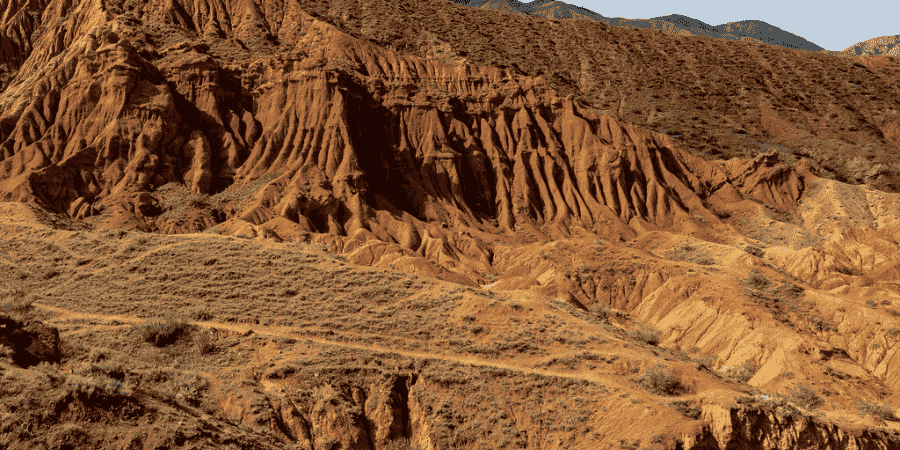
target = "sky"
x: 828, y: 24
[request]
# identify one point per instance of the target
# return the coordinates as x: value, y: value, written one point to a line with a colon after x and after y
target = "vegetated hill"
x: 884, y: 45
x: 491, y: 190
x: 677, y: 24
x: 755, y: 30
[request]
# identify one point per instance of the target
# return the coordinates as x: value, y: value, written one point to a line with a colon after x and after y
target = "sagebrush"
x: 161, y: 332
x: 660, y: 381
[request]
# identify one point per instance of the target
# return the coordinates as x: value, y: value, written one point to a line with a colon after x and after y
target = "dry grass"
x: 15, y: 302
x: 692, y: 254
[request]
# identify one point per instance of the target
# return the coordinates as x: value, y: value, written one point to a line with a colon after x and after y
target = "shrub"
x: 705, y: 362
x: 721, y: 213
x: 757, y: 280
x: 202, y: 314
x: 97, y: 387
x: 882, y: 411
x: 204, y: 340
x: 14, y: 302
x: 658, y: 438
x: 215, y: 229
x: 687, y: 408
x: 805, y: 397
x: 660, y: 381
x: 790, y: 290
x: 819, y: 324
x: 645, y: 334
x: 743, y: 372
x: 704, y: 261
x: 399, y: 444
x: 604, y: 312
x: 161, y: 332
x: 836, y: 373
x: 755, y: 251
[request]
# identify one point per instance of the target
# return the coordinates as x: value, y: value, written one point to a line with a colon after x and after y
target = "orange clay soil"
x: 416, y: 225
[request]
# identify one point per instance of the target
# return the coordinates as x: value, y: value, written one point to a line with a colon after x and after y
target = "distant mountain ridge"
x: 677, y: 24
x: 884, y: 45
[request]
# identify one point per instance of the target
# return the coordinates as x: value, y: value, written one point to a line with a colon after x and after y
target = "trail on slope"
x: 286, y: 332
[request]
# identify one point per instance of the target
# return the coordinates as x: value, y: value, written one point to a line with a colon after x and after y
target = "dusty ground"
x: 359, y: 224
x: 285, y: 343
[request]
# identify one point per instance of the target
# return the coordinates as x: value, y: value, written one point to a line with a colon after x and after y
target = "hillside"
x: 363, y: 224
x: 884, y: 45
x: 675, y: 24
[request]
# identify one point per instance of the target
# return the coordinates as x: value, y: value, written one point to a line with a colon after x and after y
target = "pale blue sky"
x: 828, y: 24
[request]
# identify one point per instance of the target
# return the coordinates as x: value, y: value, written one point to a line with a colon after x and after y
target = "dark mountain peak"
x: 768, y: 33
x: 559, y: 10
x: 687, y: 22
x: 536, y: 3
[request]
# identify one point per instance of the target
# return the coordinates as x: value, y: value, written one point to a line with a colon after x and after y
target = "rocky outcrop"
x: 358, y: 139
x: 30, y: 342
x: 756, y: 428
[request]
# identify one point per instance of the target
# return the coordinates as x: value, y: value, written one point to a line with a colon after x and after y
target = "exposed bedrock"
x: 350, y: 129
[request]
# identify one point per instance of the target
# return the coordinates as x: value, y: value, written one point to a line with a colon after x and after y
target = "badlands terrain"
x: 361, y: 224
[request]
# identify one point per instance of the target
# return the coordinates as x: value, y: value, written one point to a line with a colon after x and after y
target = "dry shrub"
x: 604, y: 312
x: 201, y: 313
x: 687, y: 408
x: 645, y: 334
x: 204, y: 340
x: 399, y: 444
x: 14, y: 302
x: 805, y: 397
x: 755, y: 251
x: 161, y: 332
x: 744, y: 372
x: 757, y: 280
x: 721, y: 213
x: 705, y: 362
x: 882, y: 411
x: 97, y: 387
x: 660, y: 381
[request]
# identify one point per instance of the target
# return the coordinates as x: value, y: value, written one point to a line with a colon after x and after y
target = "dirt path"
x: 288, y: 332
